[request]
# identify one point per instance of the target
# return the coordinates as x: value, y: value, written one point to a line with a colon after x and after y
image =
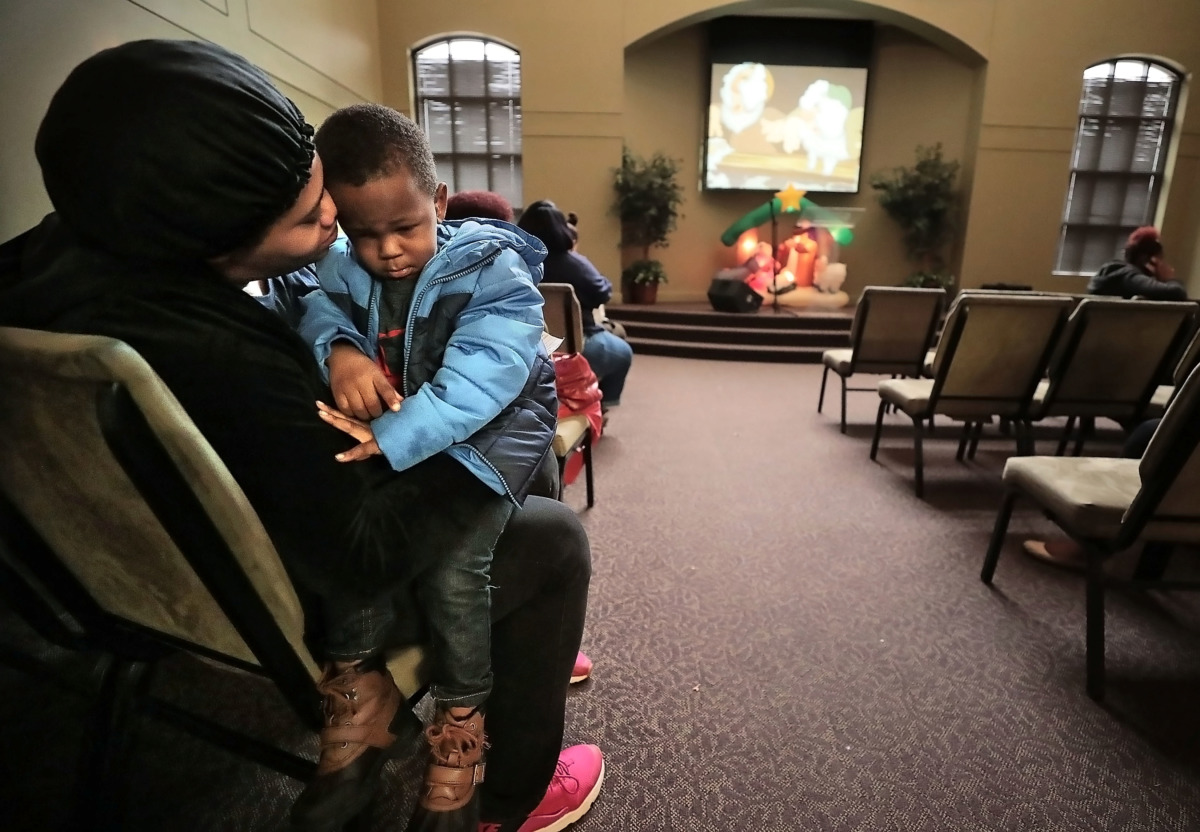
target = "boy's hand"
x: 361, y: 431
x: 359, y: 386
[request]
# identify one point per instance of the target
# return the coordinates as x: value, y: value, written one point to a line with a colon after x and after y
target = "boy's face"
x: 391, y: 222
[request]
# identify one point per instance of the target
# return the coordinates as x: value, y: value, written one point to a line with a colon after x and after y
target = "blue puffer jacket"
x: 477, y: 381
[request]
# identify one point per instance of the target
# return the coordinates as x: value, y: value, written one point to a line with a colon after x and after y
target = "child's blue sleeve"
x: 326, y: 317
x: 486, y: 364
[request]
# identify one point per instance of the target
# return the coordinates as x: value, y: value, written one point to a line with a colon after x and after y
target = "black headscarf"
x: 172, y: 151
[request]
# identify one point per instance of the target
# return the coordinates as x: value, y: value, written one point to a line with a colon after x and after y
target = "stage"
x: 789, y: 335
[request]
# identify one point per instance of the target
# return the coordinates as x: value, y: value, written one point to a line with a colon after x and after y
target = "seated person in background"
x: 1143, y: 272
x: 466, y: 205
x: 609, y: 356
x: 156, y: 253
x: 432, y: 334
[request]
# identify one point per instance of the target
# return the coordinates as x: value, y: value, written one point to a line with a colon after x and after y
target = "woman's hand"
x: 367, y: 446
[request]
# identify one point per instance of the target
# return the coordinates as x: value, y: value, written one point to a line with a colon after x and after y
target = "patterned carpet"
x: 785, y: 638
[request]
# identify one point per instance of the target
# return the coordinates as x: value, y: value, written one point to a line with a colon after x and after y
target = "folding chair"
x: 993, y: 351
x: 564, y: 319
x: 127, y: 536
x: 1110, y: 359
x: 1108, y: 504
x: 892, y: 330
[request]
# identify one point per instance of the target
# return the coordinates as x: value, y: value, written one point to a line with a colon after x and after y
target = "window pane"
x: 473, y: 173
x: 435, y: 117
x: 1108, y: 201
x: 1137, y: 202
x: 506, y: 179
x: 433, y: 73
x: 1148, y: 156
x: 1079, y: 198
x: 468, y: 77
x: 506, y: 126
x: 470, y: 127
x: 1095, y: 97
x: 445, y: 171
x: 1117, y: 143
x: 504, y: 77
x: 1126, y: 98
x: 1159, y: 101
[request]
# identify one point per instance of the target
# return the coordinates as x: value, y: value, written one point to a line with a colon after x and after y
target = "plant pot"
x: 643, y: 292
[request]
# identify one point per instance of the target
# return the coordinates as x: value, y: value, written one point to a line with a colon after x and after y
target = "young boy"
x: 433, y: 332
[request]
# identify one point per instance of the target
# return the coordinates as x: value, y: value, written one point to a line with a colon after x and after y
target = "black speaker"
x: 733, y: 296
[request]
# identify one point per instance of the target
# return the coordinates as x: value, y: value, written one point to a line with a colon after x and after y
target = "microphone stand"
x: 774, y: 258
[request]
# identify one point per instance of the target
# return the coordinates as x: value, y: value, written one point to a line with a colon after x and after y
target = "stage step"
x: 728, y: 352
x: 787, y: 336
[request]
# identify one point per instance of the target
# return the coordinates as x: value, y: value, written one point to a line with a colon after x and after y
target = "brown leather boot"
x: 456, y: 768
x: 361, y: 703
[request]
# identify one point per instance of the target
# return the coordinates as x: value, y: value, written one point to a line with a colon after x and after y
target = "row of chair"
x: 1025, y: 357
x: 1019, y: 357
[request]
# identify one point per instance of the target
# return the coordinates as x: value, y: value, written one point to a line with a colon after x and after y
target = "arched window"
x: 1126, y: 118
x: 468, y: 99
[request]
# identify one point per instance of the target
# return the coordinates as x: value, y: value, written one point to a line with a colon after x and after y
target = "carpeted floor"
x: 785, y: 638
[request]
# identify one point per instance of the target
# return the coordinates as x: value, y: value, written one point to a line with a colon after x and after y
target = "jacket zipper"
x: 408, y: 329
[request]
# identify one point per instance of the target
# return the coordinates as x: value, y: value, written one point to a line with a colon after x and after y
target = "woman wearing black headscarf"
x: 179, y: 174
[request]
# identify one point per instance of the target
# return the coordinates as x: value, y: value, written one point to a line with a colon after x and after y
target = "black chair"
x: 123, y: 535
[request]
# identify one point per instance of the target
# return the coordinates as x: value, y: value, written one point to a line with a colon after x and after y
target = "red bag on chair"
x: 578, y: 392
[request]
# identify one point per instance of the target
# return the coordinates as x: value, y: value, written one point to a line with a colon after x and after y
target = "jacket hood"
x: 171, y: 151
x: 475, y: 239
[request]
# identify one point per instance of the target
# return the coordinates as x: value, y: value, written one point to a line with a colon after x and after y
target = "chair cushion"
x: 911, y: 395
x: 1088, y: 496
x: 1159, y: 401
x: 568, y: 434
x: 838, y: 360
x: 927, y: 367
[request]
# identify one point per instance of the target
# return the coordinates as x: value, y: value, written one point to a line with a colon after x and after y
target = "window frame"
x: 1156, y: 179
x: 493, y: 160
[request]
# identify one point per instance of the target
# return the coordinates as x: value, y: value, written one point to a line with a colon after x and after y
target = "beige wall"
x: 918, y: 94
x: 997, y: 81
x: 1001, y: 79
x: 572, y: 94
x: 324, y: 54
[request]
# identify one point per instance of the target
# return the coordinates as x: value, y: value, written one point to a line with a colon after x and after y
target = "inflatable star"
x: 789, y: 198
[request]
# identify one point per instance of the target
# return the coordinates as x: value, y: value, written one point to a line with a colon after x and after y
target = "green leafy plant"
x: 644, y: 271
x: 648, y: 200
x: 922, y: 199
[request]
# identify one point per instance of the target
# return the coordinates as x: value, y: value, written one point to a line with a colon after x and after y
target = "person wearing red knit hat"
x: 1142, y: 273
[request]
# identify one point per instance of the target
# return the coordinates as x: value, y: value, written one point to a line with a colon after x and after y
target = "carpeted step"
x: 728, y: 352
x: 745, y: 336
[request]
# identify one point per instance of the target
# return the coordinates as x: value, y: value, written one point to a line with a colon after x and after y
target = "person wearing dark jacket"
x: 1142, y: 273
x: 179, y: 174
x: 609, y: 356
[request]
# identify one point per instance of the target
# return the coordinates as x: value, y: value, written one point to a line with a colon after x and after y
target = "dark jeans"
x: 609, y: 357
x: 541, y: 567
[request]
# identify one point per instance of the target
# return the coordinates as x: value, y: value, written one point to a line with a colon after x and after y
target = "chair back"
x: 1112, y: 354
x: 1168, y: 505
x: 993, y: 351
x: 564, y: 316
x: 1188, y: 361
x: 893, y: 329
x: 99, y: 458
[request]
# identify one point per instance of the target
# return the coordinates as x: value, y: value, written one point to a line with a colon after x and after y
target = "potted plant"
x: 642, y: 277
x: 648, y: 199
x: 922, y: 200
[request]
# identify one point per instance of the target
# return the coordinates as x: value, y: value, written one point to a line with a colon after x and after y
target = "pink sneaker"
x: 571, y: 792
x: 582, y: 669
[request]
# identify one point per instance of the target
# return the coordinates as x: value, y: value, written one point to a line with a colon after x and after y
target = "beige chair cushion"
x: 569, y: 433
x: 838, y: 360
x: 409, y: 669
x: 927, y: 367
x: 910, y: 395
x: 1088, y: 496
x: 1159, y: 401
